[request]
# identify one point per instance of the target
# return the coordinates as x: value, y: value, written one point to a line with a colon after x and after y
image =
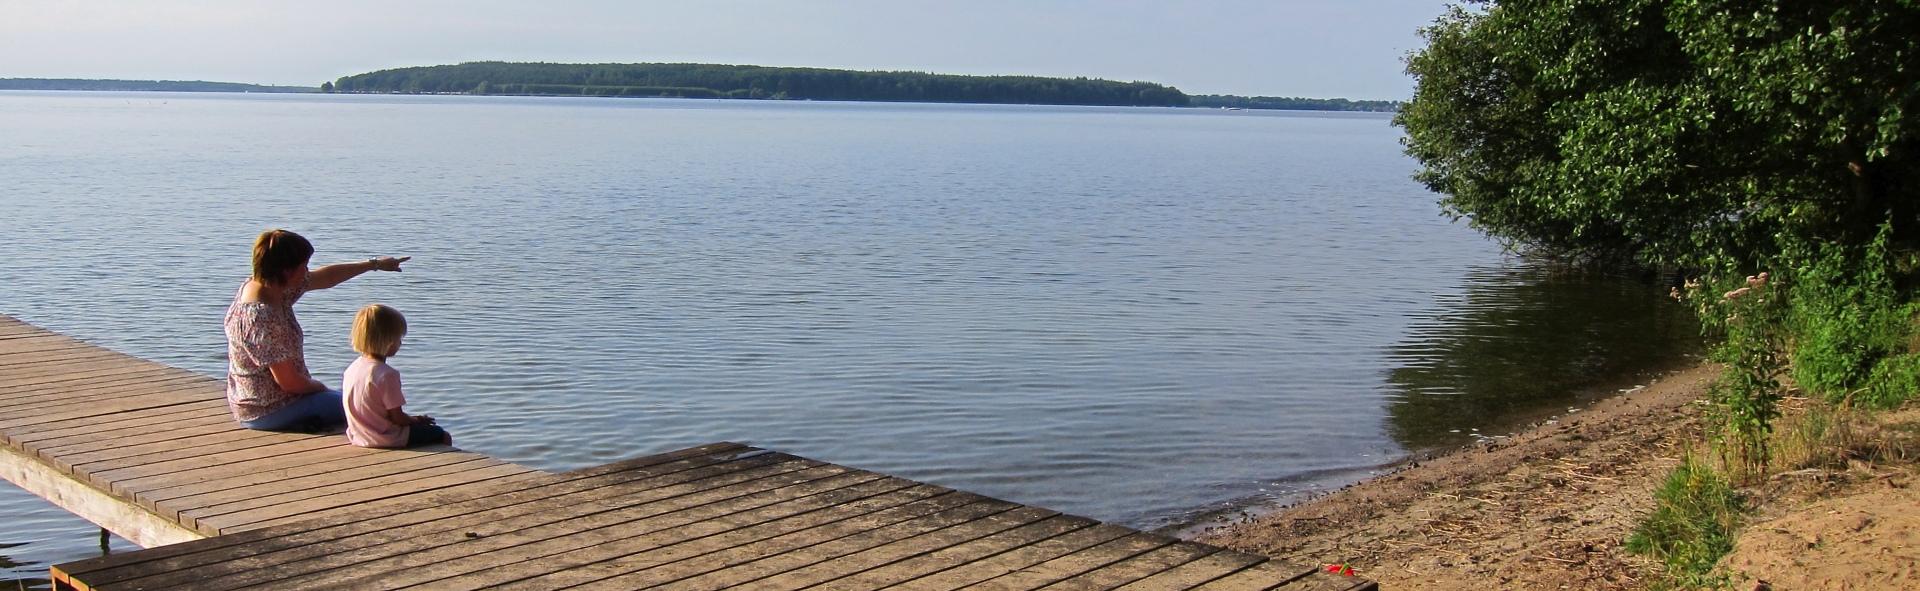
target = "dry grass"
x: 1816, y: 435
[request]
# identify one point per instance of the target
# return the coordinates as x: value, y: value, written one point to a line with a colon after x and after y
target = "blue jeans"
x: 313, y: 413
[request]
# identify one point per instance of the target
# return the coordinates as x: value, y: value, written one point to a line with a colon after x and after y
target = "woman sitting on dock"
x: 268, y: 386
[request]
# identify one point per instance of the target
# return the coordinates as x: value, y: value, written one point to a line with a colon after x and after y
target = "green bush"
x: 1692, y: 525
x: 1751, y: 318
x: 1894, y: 380
x: 1847, y: 317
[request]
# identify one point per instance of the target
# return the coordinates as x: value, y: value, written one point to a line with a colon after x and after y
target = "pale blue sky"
x: 1315, y: 48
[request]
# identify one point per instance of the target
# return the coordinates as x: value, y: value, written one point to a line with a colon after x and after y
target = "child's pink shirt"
x: 369, y: 389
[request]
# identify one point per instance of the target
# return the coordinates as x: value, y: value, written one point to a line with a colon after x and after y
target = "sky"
x: 1311, y: 48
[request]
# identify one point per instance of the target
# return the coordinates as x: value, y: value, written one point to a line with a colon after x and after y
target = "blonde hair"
x: 377, y: 330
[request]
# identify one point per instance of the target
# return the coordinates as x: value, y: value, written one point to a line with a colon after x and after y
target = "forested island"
x: 716, y: 81
x: 761, y: 82
x: 1290, y: 103
x: 141, y: 85
x: 754, y: 82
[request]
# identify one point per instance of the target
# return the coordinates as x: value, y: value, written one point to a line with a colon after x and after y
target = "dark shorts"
x: 419, y: 435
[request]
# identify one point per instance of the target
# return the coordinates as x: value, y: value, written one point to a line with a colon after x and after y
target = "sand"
x: 1545, y: 509
x: 1550, y: 508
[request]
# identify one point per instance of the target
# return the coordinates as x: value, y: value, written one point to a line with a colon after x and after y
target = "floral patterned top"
x: 259, y: 335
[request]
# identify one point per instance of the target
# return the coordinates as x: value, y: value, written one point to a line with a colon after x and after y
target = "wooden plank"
x: 287, y: 476
x: 752, y: 571
x: 19, y: 329
x: 384, y: 504
x: 25, y: 373
x: 33, y: 333
x: 424, y: 509
x: 12, y: 388
x: 946, y: 558
x: 119, y: 472
x: 528, y: 552
x: 1210, y: 567
x: 235, y: 443
x: 270, y: 548
x: 16, y: 334
x: 25, y: 432
x: 227, y: 438
x: 964, y: 576
x: 60, y: 421
x: 1260, y: 577
x: 188, y: 428
x: 392, y: 548
x: 1133, y: 569
x: 1318, y: 579
x: 45, y: 358
x: 83, y: 381
x: 179, y: 498
x: 211, y: 520
x: 600, y: 546
x: 954, y: 535
x: 726, y: 563
x: 11, y: 347
x: 132, y: 422
x: 186, y: 388
x: 53, y: 397
x: 246, y: 462
x: 128, y: 521
x: 695, y: 553
x: 101, y: 408
x: 331, y: 508
x: 51, y: 342
x: 1071, y: 565
x: 38, y: 376
x: 230, y: 439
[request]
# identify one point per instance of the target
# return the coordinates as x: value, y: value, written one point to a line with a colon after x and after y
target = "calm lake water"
x: 1133, y: 314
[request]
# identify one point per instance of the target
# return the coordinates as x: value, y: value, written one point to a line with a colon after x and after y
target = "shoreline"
x: 1545, y: 507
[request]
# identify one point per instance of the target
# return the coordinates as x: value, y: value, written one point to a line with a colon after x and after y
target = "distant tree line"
x: 1292, y: 103
x: 140, y: 85
x: 727, y: 81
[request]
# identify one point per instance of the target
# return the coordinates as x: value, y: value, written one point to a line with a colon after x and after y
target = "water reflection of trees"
x: 1521, y: 342
x: 12, y: 575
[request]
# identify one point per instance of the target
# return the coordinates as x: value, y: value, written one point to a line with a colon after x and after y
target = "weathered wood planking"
x: 720, y: 516
x: 150, y: 452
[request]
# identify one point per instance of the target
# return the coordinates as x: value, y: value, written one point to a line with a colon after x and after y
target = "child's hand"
x: 422, y: 420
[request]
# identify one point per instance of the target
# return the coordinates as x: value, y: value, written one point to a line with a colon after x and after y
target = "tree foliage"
x: 1696, y: 133
x: 140, y: 85
x: 1292, y: 103
x: 727, y: 81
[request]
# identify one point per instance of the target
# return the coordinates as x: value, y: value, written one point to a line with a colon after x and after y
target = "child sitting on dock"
x: 372, y: 388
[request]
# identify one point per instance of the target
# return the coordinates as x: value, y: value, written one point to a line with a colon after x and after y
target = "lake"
x: 1142, y: 315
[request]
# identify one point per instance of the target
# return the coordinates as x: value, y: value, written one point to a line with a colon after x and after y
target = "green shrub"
x: 1692, y: 525
x: 1750, y: 317
x: 1847, y: 317
x: 1894, y: 380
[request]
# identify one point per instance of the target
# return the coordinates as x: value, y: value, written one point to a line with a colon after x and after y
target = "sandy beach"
x: 1550, y: 507
x: 1544, y: 509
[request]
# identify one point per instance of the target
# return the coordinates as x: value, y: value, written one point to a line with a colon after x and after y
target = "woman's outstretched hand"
x: 389, y: 263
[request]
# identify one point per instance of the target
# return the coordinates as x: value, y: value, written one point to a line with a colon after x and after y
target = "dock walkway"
x: 150, y: 452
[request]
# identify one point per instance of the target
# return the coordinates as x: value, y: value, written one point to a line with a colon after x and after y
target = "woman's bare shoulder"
x: 251, y: 292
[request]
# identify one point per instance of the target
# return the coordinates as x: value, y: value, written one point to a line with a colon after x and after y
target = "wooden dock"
x: 150, y: 452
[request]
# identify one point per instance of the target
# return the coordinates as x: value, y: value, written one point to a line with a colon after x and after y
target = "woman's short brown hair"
x: 377, y: 329
x: 277, y: 251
